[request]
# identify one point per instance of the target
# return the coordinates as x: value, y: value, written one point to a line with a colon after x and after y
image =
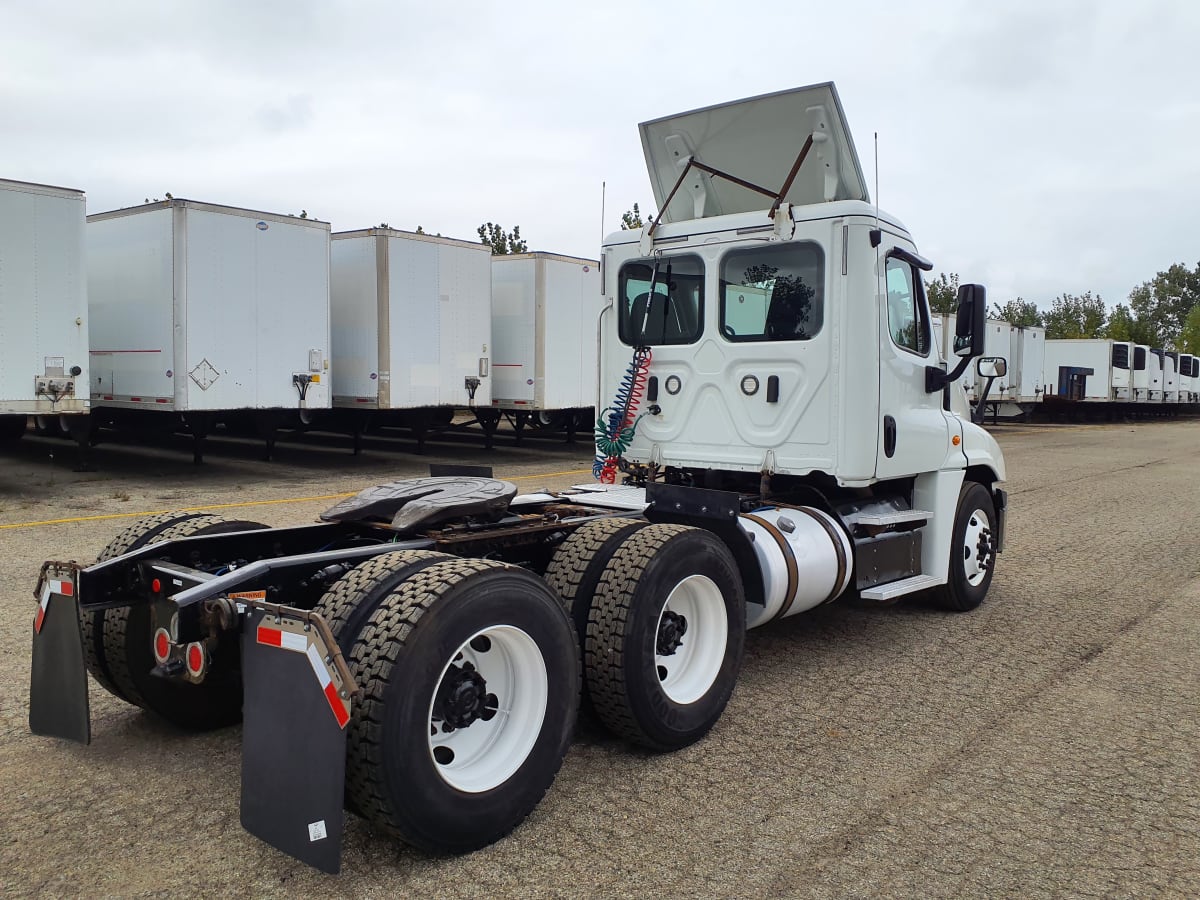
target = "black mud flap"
x: 58, y: 690
x: 296, y: 707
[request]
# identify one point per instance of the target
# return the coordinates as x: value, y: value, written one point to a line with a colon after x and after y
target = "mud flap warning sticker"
x: 297, y: 698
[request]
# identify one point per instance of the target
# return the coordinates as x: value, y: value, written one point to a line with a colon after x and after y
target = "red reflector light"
x: 156, y: 585
x: 195, y: 659
x: 162, y: 645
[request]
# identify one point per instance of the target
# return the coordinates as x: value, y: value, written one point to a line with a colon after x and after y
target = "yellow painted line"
x: 156, y: 512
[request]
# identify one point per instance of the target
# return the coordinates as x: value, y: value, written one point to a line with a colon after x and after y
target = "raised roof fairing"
x: 756, y: 140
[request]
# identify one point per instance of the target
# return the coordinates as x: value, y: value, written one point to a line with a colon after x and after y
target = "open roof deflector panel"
x: 756, y: 140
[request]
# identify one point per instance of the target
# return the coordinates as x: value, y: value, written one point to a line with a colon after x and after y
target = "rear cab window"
x: 773, y: 293
x: 662, y: 308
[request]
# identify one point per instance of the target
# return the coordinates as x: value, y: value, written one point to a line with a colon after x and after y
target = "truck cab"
x: 790, y: 339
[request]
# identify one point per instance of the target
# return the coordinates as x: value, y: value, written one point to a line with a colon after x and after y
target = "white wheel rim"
x: 487, y: 752
x: 686, y: 674
x: 974, y: 568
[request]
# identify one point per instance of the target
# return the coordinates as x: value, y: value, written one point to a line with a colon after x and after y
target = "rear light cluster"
x: 195, y: 656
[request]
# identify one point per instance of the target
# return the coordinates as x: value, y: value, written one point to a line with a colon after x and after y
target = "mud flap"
x: 296, y: 706
x: 58, y: 689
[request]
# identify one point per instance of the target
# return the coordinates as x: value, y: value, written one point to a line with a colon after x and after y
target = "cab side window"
x: 907, y: 319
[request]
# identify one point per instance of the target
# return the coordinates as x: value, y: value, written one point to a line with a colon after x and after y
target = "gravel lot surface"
x: 1047, y: 744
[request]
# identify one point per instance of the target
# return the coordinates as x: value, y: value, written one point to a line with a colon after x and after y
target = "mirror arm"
x: 937, y: 378
x: 980, y: 412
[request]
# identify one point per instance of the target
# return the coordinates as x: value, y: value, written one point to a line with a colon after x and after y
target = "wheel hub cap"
x: 671, y: 630
x: 463, y: 698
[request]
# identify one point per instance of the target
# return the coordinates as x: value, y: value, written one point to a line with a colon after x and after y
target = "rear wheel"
x: 469, y: 673
x: 972, y: 551
x: 579, y: 561
x: 128, y: 655
x: 665, y: 636
x: 142, y: 532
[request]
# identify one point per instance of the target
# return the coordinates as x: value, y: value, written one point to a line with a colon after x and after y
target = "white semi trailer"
x: 203, y: 313
x: 419, y: 653
x: 544, y: 310
x: 1094, y: 370
x: 43, y: 308
x: 412, y: 328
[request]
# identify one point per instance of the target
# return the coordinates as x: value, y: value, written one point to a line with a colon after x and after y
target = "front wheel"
x: 972, y: 551
x: 470, y: 678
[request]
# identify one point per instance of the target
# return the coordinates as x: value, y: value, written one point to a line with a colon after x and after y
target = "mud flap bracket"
x: 296, y: 705
x: 58, y: 689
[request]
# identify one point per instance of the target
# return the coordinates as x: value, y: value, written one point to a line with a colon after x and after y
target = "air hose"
x: 616, y: 424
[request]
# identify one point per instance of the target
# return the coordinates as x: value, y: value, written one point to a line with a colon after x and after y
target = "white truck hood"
x: 756, y: 140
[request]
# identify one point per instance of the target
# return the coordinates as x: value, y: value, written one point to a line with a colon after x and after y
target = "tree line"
x: 1162, y: 312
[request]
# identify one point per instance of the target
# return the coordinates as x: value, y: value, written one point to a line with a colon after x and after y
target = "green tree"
x: 502, y: 242
x: 1165, y: 302
x: 1076, y: 316
x: 1189, y: 337
x: 1125, y: 325
x: 943, y: 293
x: 1018, y: 312
x: 631, y: 219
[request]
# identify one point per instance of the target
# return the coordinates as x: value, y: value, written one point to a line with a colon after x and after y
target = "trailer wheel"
x: 665, y: 636
x: 142, y: 532
x: 469, y: 673
x: 129, y: 657
x: 972, y: 551
x: 579, y: 561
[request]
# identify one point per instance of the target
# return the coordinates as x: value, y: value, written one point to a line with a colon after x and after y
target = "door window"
x: 907, y: 320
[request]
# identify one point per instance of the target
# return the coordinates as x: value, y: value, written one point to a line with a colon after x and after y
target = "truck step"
x: 894, y: 518
x: 900, y: 588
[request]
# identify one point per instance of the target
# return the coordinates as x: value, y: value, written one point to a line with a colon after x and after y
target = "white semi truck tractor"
x: 778, y: 430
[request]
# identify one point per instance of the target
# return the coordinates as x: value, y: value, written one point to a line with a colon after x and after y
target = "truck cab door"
x: 914, y: 432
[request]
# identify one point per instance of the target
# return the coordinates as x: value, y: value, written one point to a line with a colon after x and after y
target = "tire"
x: 12, y: 428
x: 403, y: 661
x: 129, y: 657
x: 579, y: 561
x: 665, y: 701
x: 348, y: 604
x: 142, y: 532
x: 972, y: 553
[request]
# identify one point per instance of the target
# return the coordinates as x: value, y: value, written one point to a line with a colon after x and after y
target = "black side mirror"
x: 971, y: 322
x: 969, y: 332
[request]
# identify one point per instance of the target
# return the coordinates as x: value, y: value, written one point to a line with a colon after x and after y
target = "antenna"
x: 877, y: 234
x: 877, y: 180
x: 603, y: 191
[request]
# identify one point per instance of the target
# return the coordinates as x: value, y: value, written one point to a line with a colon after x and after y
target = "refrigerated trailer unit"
x: 1170, y: 377
x: 544, y: 311
x: 412, y: 328
x: 1141, y: 375
x: 43, y: 308
x: 1187, y: 378
x: 203, y: 314
x: 1089, y: 370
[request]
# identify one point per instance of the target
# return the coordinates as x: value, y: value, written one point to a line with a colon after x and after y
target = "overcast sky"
x: 1035, y: 147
